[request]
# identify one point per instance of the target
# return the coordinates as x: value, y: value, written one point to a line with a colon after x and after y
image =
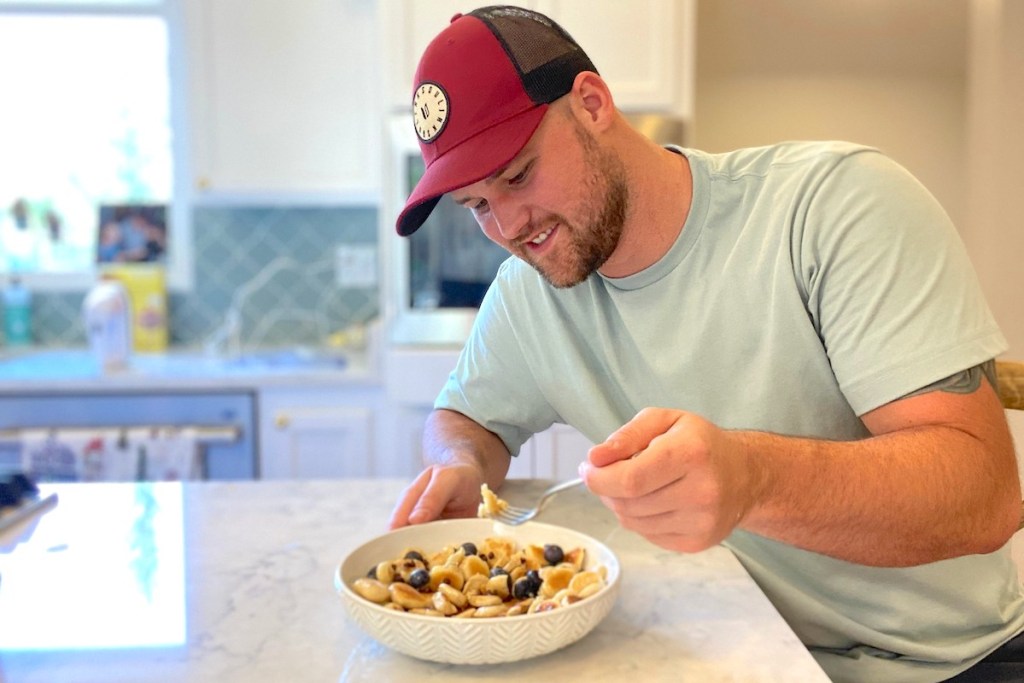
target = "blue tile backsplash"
x: 274, y: 265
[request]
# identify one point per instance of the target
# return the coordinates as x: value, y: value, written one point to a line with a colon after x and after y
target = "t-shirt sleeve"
x: 889, y: 285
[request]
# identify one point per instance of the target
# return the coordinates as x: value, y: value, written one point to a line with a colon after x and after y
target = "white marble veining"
x: 249, y: 568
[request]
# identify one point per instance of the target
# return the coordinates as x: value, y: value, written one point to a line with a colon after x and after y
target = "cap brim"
x: 472, y: 160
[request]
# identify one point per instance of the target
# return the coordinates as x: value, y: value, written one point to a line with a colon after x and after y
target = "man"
x: 782, y: 349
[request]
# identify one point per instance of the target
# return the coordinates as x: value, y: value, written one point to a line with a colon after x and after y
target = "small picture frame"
x: 132, y: 233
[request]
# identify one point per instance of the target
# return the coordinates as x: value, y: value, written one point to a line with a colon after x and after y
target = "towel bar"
x: 202, y: 433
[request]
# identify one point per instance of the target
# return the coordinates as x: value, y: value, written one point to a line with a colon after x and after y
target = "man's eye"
x: 479, y: 206
x: 519, y: 177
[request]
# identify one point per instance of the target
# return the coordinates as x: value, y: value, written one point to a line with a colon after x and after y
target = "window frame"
x: 179, y: 266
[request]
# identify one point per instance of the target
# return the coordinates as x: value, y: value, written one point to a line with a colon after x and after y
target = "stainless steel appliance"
x: 224, y: 422
x: 437, y: 276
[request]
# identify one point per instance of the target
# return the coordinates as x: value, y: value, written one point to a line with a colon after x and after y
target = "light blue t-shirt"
x: 811, y: 283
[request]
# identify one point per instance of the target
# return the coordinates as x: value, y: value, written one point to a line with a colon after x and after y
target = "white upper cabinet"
x: 289, y: 99
x: 284, y: 98
x: 407, y: 27
x: 643, y: 48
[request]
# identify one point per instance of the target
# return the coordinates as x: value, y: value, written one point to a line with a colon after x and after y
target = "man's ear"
x: 592, y: 100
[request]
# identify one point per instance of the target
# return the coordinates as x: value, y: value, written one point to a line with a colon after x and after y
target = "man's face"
x: 560, y: 205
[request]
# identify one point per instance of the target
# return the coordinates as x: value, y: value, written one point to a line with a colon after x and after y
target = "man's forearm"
x: 902, y: 498
x: 450, y: 437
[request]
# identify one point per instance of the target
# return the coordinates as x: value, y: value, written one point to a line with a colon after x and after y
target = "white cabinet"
x: 318, y: 433
x: 406, y: 428
x: 407, y: 27
x: 524, y: 465
x: 553, y: 454
x: 406, y: 423
x: 413, y: 377
x: 643, y: 48
x: 557, y: 453
x: 284, y: 98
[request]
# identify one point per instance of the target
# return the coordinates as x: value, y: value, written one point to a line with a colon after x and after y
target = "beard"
x: 588, y: 243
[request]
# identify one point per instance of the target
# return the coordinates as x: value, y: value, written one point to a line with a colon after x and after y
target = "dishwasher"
x: 222, y: 423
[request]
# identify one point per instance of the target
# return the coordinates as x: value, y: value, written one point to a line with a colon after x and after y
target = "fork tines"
x: 513, y: 515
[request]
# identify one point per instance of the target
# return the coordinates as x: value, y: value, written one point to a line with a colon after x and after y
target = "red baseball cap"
x: 481, y: 89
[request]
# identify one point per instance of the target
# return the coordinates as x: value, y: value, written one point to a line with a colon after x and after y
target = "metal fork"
x: 515, y: 516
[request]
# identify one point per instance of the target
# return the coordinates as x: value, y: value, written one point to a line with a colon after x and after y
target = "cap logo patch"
x: 429, y: 110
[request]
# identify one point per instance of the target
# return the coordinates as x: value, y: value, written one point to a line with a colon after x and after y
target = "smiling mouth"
x: 541, y: 238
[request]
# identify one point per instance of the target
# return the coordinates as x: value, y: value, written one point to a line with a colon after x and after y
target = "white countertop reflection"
x: 233, y: 581
x: 111, y: 578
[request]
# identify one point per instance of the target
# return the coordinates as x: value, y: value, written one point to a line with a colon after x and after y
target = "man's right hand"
x: 439, y: 492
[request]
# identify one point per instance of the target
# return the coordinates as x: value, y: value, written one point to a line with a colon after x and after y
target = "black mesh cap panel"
x: 545, y: 55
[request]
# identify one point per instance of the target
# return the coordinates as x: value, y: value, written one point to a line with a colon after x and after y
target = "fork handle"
x: 564, y: 485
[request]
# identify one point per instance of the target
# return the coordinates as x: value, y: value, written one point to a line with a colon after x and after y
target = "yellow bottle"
x: 147, y: 290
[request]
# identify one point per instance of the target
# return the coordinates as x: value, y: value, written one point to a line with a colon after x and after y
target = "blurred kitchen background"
x: 275, y: 136
x: 231, y: 247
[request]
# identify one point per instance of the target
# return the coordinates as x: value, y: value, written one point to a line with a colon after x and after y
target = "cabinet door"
x: 558, y: 452
x: 406, y: 428
x: 405, y: 451
x: 320, y: 443
x: 524, y: 465
x: 284, y: 96
x: 642, y: 48
x: 409, y: 27
x: 317, y: 434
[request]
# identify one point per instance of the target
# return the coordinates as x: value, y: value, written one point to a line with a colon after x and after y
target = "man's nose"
x: 509, y: 217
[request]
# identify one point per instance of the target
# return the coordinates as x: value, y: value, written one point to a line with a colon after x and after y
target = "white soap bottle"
x: 107, y: 314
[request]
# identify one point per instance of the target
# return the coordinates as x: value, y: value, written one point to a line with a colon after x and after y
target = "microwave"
x: 437, y: 276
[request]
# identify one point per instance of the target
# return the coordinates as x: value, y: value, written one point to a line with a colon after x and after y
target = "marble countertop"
x: 233, y: 581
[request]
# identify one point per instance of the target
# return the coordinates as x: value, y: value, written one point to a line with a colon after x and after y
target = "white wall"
x: 939, y: 86
x: 892, y: 75
x: 905, y: 116
x: 995, y: 159
x: 995, y: 163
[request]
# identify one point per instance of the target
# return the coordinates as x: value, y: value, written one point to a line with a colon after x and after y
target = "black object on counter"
x: 14, y: 488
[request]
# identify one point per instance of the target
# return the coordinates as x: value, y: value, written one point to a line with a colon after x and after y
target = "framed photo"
x: 132, y: 233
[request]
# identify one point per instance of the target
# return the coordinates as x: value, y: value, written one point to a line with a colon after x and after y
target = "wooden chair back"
x: 1011, y: 384
x: 1010, y: 378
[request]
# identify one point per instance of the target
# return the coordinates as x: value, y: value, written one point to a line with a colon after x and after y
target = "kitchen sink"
x: 286, y: 358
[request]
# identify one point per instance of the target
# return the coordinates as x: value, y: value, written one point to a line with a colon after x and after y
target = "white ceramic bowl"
x: 476, y: 641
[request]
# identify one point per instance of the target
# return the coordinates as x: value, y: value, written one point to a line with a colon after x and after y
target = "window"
x: 87, y: 139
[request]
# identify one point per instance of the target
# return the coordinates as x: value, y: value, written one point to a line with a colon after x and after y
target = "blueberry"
x: 413, y: 555
x: 372, y: 574
x: 535, y: 581
x: 469, y: 549
x: 553, y: 554
x: 419, y: 578
x: 524, y: 588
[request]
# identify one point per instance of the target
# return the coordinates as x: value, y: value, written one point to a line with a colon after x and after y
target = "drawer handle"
x: 282, y: 421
